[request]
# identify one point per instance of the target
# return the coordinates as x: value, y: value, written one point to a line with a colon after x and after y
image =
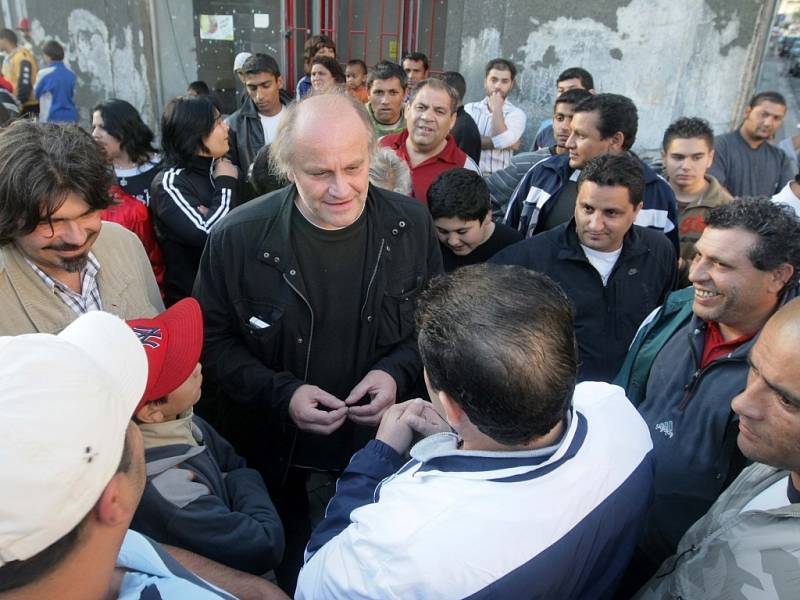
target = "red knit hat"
x: 24, y: 24
x: 172, y: 341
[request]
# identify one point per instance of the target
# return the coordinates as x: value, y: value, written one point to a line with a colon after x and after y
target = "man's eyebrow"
x: 793, y: 399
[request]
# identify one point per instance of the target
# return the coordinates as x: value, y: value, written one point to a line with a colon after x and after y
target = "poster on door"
x: 216, y: 27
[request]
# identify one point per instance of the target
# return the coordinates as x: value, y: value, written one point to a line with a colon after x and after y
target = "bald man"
x: 747, y: 540
x: 308, y: 296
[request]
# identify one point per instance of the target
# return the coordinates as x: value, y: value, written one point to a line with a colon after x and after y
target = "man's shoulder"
x: 724, y: 141
x: 541, y: 250
x: 256, y: 212
x: 400, y: 205
x: 113, y: 235
x: 392, y: 140
x: 654, y: 239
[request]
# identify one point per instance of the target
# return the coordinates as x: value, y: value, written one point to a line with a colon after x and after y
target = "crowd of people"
x: 356, y: 341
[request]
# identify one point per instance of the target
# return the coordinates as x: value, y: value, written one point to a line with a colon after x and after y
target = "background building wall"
x: 107, y: 44
x: 672, y: 57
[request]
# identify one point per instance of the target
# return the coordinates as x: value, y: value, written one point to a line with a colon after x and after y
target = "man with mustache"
x: 690, y: 358
x: 58, y: 259
x: 745, y: 163
x: 426, y: 144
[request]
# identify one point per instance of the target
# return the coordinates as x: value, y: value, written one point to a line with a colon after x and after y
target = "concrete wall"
x: 107, y: 44
x: 672, y: 57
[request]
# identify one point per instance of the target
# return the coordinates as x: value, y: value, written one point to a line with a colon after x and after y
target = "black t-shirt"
x: 136, y: 181
x: 563, y: 206
x: 503, y: 236
x: 331, y: 264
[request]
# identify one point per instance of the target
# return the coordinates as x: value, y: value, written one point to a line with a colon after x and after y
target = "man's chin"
x: 75, y: 264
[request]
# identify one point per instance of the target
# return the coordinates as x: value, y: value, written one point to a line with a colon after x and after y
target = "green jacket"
x: 656, y: 330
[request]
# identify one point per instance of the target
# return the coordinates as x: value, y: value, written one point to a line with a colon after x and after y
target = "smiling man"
x: 614, y: 272
x: 745, y: 163
x: 58, y: 259
x: 601, y: 124
x: 748, y: 538
x: 255, y: 124
x: 426, y: 145
x: 308, y: 297
x: 690, y: 359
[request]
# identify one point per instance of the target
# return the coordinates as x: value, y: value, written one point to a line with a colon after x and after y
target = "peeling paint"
x: 107, y: 63
x: 672, y: 57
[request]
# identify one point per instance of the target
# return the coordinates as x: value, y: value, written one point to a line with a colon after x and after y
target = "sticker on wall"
x: 216, y: 27
x: 261, y: 20
x: 393, y: 49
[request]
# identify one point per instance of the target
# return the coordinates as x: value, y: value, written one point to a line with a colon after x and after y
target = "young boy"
x: 55, y: 87
x: 462, y: 214
x: 356, y: 76
x: 199, y: 495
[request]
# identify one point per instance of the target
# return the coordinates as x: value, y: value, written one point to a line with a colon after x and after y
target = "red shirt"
x: 716, y: 347
x: 422, y: 176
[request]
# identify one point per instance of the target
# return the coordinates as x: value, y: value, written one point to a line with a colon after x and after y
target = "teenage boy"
x: 462, y: 213
x: 356, y: 78
x: 55, y: 87
x: 199, y: 495
x: 688, y: 151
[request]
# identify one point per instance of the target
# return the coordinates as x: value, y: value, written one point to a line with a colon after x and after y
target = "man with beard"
x: 501, y: 123
x: 745, y: 163
x: 58, y: 259
x: 426, y: 144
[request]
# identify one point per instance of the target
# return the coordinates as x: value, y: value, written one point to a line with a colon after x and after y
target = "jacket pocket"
x: 260, y: 323
x: 397, y: 309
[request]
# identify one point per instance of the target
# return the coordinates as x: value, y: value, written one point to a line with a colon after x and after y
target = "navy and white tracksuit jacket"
x: 529, y: 203
x: 557, y: 522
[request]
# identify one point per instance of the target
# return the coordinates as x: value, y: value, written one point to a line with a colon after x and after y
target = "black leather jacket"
x: 259, y: 325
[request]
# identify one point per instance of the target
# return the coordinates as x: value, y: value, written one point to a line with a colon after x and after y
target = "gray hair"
x: 282, y: 149
x: 390, y: 172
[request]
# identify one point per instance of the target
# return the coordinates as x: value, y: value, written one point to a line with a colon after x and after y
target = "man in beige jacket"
x: 58, y: 260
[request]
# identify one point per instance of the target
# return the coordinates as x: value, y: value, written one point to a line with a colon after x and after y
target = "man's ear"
x: 116, y: 504
x: 150, y: 413
x: 452, y: 121
x: 453, y: 413
x: 617, y: 140
x: 779, y: 276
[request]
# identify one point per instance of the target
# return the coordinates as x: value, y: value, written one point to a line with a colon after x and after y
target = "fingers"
x: 326, y: 429
x: 358, y: 392
x: 327, y: 400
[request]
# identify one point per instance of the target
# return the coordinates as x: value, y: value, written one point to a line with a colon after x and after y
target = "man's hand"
x: 402, y: 421
x: 496, y: 102
x: 382, y: 390
x: 305, y: 411
x: 225, y: 167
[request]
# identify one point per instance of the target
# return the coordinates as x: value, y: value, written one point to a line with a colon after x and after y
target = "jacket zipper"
x: 688, y: 389
x: 372, y: 278
x: 311, y: 334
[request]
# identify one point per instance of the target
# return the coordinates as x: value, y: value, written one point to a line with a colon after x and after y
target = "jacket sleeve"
x: 719, y: 167
x: 233, y: 146
x: 355, y: 488
x: 42, y: 85
x: 143, y: 228
x: 178, y: 510
x: 515, y: 127
x: 175, y: 202
x: 403, y: 363
x: 239, y: 373
x: 24, y: 83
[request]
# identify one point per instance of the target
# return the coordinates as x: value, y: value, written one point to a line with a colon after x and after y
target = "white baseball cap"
x: 66, y: 401
x: 239, y: 60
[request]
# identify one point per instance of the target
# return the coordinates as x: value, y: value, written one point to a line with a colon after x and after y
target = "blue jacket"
x: 606, y: 317
x: 688, y: 411
x: 556, y: 522
x: 54, y: 89
x: 203, y: 499
x: 529, y: 204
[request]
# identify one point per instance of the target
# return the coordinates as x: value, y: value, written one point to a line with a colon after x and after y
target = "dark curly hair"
x: 777, y: 228
x: 615, y: 113
x: 616, y: 170
x: 40, y: 164
x: 688, y: 127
